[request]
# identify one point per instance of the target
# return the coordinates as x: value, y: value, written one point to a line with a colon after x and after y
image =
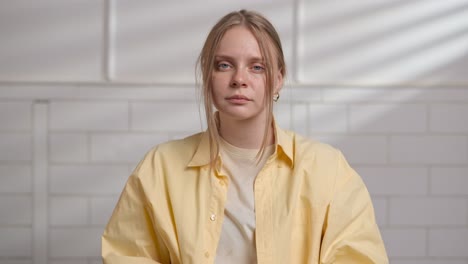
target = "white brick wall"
x: 429, y: 149
x: 429, y: 261
x: 449, y: 118
x: 327, y: 118
x: 448, y: 242
x: 11, y: 261
x: 69, y: 147
x: 15, y: 242
x: 15, y: 178
x: 405, y: 242
x: 88, y: 87
x: 22, y: 111
x: 15, y: 146
x: 68, y: 210
x: 87, y: 179
x: 395, y: 181
x: 449, y: 181
x: 17, y: 210
x: 69, y: 37
x: 101, y: 209
x: 155, y: 116
x: 428, y: 211
x: 75, y: 242
x: 360, y: 149
x: 387, y: 118
x: 88, y: 116
x: 141, y: 53
x: 123, y: 147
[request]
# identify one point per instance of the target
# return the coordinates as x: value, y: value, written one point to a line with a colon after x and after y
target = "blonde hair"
x: 271, y: 50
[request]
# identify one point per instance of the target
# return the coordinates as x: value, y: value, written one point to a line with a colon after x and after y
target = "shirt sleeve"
x: 351, y: 234
x: 130, y: 236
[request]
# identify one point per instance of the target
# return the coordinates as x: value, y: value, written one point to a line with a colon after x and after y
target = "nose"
x: 238, y: 79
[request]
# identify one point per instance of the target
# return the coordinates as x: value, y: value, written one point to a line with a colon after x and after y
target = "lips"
x: 238, y: 97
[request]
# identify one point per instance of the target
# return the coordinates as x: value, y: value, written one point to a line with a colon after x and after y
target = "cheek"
x: 216, y: 89
x: 219, y: 83
x: 215, y: 84
x: 219, y: 79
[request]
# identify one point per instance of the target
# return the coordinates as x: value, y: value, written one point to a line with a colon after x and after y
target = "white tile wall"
x: 101, y: 209
x: 448, y: 242
x: 449, y: 118
x: 64, y: 261
x: 449, y: 181
x: 51, y: 40
x: 327, y: 118
x: 87, y: 179
x: 387, y: 118
x: 15, y: 178
x: 304, y: 94
x: 69, y: 147
x: 68, y: 211
x: 429, y: 261
x: 75, y: 242
x: 15, y: 146
x: 299, y: 118
x: 282, y: 113
x: 426, y: 211
x: 384, y: 81
x: 155, y: 116
x: 399, y: 94
x: 89, y: 116
x: 429, y: 149
x: 21, y: 110
x: 128, y: 147
x: 359, y: 149
x: 147, y: 49
x: 383, y: 42
x: 395, y: 181
x: 13, y: 261
x: 381, y: 209
x: 15, y: 242
x: 16, y: 209
x: 405, y: 242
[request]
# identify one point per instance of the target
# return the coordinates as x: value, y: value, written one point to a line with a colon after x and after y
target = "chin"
x: 238, y: 115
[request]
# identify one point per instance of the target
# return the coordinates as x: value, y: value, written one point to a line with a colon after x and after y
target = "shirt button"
x: 207, y: 254
x: 213, y: 217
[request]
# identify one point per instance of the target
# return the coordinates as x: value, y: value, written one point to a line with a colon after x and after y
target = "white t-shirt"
x: 237, y: 241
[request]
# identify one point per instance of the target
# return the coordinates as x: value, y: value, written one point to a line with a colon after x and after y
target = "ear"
x: 279, y: 82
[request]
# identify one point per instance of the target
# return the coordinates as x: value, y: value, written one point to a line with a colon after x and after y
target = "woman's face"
x: 238, y: 79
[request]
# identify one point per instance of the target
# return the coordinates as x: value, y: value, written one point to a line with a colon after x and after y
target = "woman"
x: 244, y: 191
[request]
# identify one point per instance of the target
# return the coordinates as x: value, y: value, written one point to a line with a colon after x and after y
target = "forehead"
x: 238, y: 42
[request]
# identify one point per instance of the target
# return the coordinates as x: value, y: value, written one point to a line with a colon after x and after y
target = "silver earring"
x: 276, y: 97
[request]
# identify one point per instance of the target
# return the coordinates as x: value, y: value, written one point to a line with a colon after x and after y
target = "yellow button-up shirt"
x: 310, y: 207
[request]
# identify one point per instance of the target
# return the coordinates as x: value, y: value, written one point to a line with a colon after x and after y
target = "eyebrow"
x: 230, y: 58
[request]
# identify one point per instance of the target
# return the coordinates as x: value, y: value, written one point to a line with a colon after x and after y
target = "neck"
x: 246, y: 134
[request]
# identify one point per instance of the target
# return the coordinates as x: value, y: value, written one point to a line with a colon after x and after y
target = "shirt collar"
x: 202, y: 153
x: 283, y: 142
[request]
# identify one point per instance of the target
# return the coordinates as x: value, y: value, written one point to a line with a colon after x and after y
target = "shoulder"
x: 172, y: 152
x: 318, y: 158
x: 179, y: 146
x: 309, y: 148
x: 324, y: 163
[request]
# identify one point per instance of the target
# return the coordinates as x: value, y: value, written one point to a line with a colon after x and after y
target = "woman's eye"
x: 258, y: 68
x: 223, y: 66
